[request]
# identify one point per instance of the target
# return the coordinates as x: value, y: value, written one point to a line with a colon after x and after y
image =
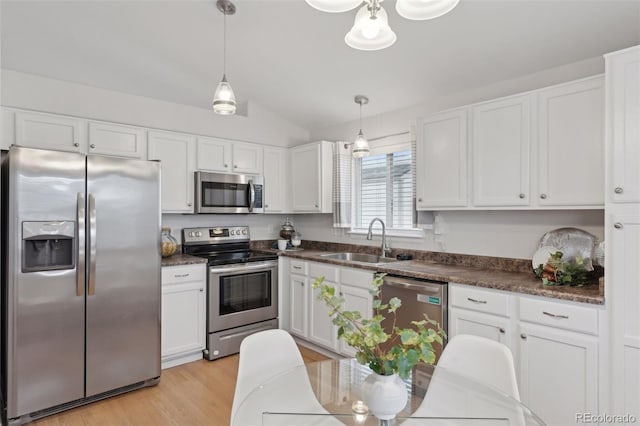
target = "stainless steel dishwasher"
x: 418, y: 297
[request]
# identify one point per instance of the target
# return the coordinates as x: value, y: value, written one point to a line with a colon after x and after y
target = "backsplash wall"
x: 513, y: 234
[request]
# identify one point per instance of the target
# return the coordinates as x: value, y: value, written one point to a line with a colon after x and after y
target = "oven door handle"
x: 243, y: 268
x: 252, y: 195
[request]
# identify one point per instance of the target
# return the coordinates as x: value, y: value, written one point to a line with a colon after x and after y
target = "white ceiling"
x: 292, y: 59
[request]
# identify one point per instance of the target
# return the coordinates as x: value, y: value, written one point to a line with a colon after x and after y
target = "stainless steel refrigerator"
x: 80, y: 279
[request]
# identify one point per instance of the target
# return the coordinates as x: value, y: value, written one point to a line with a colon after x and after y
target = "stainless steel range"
x: 242, y: 286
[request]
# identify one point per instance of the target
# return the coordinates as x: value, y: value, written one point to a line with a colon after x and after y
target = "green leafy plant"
x: 385, y: 353
x: 557, y: 271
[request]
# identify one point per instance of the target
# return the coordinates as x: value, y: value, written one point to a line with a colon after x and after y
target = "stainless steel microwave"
x: 226, y: 193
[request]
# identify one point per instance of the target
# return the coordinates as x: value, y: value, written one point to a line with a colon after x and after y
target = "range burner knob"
x: 191, y: 234
x: 233, y: 232
x: 198, y: 234
x: 244, y: 232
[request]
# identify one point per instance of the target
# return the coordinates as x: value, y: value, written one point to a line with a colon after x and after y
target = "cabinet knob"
x: 266, y: 206
x: 543, y: 196
x: 618, y: 190
x: 501, y: 330
x: 302, y: 284
x: 201, y: 290
x: 235, y: 166
x: 523, y: 336
x: 521, y: 195
x: 617, y: 225
x: 226, y: 165
x: 316, y: 206
x: 93, y: 145
x: 189, y: 204
x: 76, y: 144
x: 420, y: 200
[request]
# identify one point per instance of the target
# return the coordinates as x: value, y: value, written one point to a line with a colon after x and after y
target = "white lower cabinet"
x: 558, y: 373
x: 555, y: 344
x: 308, y: 317
x: 298, y: 286
x: 183, y: 314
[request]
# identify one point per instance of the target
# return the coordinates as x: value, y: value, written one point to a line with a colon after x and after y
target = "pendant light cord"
x: 224, y: 46
x: 360, y: 116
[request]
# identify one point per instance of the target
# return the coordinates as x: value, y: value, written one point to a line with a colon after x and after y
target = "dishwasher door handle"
x: 422, y: 288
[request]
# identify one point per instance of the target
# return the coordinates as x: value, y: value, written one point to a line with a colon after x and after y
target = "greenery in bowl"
x: 557, y: 271
x: 385, y: 353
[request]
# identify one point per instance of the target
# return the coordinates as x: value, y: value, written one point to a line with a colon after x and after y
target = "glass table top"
x: 324, y: 393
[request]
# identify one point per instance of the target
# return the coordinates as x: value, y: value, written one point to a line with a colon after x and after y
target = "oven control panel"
x: 215, y: 235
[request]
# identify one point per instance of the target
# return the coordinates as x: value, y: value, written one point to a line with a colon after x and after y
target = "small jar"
x: 169, y: 244
x: 286, y: 230
x: 296, y: 239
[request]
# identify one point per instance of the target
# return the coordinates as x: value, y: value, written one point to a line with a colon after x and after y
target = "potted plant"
x: 391, y: 354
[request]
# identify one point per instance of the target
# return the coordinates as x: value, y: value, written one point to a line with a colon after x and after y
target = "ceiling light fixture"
x: 360, y: 145
x: 371, y: 29
x: 224, y: 100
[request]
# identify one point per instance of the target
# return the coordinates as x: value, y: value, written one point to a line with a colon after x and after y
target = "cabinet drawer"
x: 356, y: 277
x: 299, y: 267
x: 181, y: 274
x: 559, y: 315
x: 476, y: 299
x: 326, y: 270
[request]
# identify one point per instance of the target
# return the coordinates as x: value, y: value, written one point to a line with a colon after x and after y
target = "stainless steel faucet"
x: 386, y: 250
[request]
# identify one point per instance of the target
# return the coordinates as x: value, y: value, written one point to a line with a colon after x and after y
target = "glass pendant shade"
x: 334, y: 6
x: 424, y: 9
x: 360, y: 146
x: 224, y: 100
x: 368, y: 33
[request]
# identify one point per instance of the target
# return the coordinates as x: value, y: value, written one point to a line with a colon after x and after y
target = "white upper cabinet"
x: 220, y: 155
x: 213, y: 155
x: 441, y: 157
x: 48, y: 131
x: 500, y: 140
x: 311, y: 177
x: 275, y: 180
x: 247, y: 158
x: 538, y: 150
x: 623, y: 109
x: 571, y: 144
x: 117, y: 140
x: 176, y: 152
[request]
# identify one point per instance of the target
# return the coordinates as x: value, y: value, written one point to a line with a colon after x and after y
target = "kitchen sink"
x: 359, y: 257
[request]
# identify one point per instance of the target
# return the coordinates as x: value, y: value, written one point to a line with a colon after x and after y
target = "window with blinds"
x: 384, y: 188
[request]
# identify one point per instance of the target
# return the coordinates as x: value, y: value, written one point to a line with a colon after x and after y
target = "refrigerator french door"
x: 80, y: 279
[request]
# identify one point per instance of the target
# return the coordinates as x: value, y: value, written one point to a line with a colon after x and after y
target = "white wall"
x: 33, y: 92
x: 494, y: 233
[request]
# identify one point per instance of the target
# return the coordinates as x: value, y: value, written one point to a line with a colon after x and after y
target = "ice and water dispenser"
x: 48, y: 246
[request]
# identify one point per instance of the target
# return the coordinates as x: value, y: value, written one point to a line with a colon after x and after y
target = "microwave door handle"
x: 252, y: 195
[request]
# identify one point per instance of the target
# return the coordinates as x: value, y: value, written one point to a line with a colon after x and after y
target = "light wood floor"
x: 197, y: 393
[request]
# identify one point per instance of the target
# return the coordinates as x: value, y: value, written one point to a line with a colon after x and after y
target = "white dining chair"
x: 481, y: 363
x: 483, y: 360
x: 265, y: 355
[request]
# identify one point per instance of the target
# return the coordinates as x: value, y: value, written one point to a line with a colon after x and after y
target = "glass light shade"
x: 424, y: 9
x: 334, y: 6
x: 224, y: 101
x: 360, y: 146
x: 370, y: 34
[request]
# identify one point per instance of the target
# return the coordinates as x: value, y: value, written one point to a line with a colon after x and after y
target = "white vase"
x: 385, y: 396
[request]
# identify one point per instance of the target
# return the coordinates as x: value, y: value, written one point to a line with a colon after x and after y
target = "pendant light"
x: 360, y: 145
x: 334, y: 6
x: 424, y: 9
x: 371, y: 29
x: 224, y: 100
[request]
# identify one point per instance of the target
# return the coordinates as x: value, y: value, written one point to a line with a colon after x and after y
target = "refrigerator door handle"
x: 92, y: 245
x: 80, y: 272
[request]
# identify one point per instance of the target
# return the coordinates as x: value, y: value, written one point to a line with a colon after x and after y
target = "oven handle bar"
x: 244, y: 267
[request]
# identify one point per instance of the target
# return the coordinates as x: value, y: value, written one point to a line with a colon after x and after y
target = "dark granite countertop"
x: 516, y: 281
x: 182, y: 259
